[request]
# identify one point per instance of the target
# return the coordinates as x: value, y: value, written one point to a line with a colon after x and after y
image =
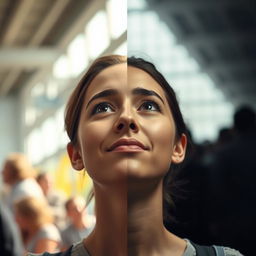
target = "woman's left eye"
x: 149, y: 106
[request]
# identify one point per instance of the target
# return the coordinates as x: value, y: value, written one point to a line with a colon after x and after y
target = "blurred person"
x: 231, y: 208
x: 55, y: 198
x: 81, y: 223
x: 127, y: 131
x: 19, y: 175
x: 35, y: 220
x: 10, y: 240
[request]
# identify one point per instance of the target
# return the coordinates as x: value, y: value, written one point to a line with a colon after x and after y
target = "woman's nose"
x: 126, y: 122
x: 122, y: 125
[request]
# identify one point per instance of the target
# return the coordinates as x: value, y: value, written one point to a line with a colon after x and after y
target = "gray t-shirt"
x: 48, y: 231
x: 71, y: 235
x: 79, y: 250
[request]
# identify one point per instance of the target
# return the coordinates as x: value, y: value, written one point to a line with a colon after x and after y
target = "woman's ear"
x: 75, y: 157
x: 179, y: 150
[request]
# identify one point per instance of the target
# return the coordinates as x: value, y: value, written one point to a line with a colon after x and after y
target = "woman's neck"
x: 130, y: 222
x: 146, y: 232
x: 109, y: 236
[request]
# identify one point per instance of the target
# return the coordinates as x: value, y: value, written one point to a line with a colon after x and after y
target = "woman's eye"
x: 149, y: 106
x: 103, y: 107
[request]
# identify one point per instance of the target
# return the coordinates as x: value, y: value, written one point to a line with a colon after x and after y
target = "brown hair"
x: 75, y: 103
x: 19, y: 167
x: 36, y: 210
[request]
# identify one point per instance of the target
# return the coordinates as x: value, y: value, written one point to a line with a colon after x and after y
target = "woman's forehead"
x: 139, y: 78
x: 123, y: 78
x: 114, y: 76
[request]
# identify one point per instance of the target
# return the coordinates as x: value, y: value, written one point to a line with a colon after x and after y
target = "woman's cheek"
x: 162, y: 134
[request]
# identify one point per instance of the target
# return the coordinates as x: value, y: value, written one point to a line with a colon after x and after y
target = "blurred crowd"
x: 215, y: 202
x: 34, y: 216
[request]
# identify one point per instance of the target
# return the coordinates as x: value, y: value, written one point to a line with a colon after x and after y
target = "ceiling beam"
x: 22, y: 12
x: 27, y: 58
x: 85, y: 16
x: 39, y: 36
x: 7, y: 84
x: 49, y: 21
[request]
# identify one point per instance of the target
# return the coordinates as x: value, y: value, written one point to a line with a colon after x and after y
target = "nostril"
x: 120, y: 126
x: 132, y: 126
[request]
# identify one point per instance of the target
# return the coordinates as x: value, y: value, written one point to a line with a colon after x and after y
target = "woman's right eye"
x: 103, y: 107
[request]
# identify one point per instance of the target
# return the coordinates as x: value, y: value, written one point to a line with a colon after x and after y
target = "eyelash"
x: 106, y: 104
x: 157, y: 107
x: 102, y: 104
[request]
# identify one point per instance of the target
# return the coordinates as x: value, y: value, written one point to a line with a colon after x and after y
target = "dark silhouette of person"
x: 232, y: 193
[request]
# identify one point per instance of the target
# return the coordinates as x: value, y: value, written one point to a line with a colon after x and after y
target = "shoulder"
x: 76, y: 249
x: 35, y: 254
x: 231, y: 252
x: 195, y: 249
x: 68, y: 228
x: 50, y: 231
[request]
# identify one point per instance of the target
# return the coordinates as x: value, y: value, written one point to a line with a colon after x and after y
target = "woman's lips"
x: 127, y: 148
x: 127, y: 145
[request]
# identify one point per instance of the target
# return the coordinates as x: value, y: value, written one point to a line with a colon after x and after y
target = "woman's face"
x: 126, y: 128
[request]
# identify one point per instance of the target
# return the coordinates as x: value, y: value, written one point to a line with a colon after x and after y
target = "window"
x: 97, y: 34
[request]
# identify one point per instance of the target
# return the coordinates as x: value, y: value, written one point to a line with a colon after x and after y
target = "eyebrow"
x: 105, y: 93
x: 145, y: 92
x: 113, y: 92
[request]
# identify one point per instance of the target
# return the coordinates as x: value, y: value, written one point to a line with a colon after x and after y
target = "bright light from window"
x: 62, y: 137
x: 203, y: 105
x: 117, y: 13
x: 38, y: 90
x: 50, y: 137
x: 97, y: 34
x: 122, y: 49
x: 135, y: 4
x: 78, y: 55
x: 52, y: 89
x: 34, y: 143
x: 61, y: 68
x: 30, y: 116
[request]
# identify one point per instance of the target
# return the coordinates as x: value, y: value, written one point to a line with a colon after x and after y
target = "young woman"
x: 126, y: 130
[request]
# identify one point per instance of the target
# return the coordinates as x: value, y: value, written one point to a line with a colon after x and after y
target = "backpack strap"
x: 202, y: 250
x: 219, y: 250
